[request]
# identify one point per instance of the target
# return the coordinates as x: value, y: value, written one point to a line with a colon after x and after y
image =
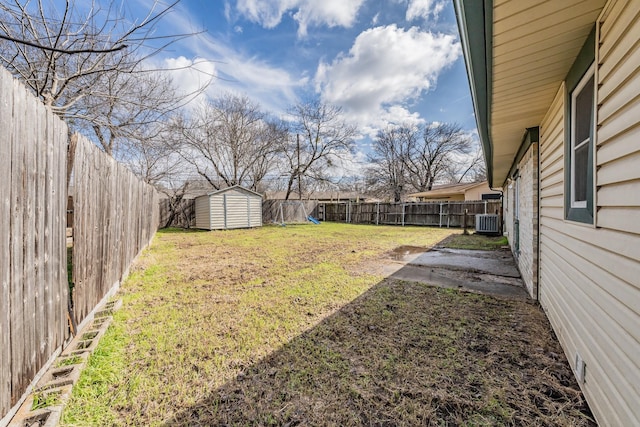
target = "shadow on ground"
x: 406, y: 353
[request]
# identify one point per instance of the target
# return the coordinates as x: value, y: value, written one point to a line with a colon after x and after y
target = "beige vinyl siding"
x: 475, y: 193
x: 618, y: 142
x: 590, y: 276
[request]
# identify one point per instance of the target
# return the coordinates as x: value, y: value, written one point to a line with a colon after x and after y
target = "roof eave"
x: 476, y: 18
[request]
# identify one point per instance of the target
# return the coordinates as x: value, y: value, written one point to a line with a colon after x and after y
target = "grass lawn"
x: 475, y: 241
x: 283, y: 326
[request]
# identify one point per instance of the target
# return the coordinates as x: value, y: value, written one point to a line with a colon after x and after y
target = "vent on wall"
x: 487, y: 224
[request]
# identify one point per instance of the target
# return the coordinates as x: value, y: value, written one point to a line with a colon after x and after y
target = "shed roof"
x: 233, y: 187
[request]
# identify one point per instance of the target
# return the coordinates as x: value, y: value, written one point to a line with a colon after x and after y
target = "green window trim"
x: 578, y: 71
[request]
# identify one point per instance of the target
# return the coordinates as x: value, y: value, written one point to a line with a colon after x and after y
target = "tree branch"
x: 66, y: 51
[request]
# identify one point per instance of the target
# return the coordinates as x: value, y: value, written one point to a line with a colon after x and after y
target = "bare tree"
x: 319, y: 135
x: 230, y: 141
x: 409, y: 158
x: 429, y: 157
x: 89, y: 64
x: 468, y: 169
x: 126, y: 109
x: 388, y: 173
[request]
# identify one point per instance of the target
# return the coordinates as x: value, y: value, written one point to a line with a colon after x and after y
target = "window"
x: 579, y: 135
x: 581, y: 130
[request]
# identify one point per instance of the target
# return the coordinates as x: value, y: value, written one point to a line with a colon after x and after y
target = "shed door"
x: 237, y: 214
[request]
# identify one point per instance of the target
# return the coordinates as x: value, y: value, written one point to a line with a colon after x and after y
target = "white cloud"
x: 423, y: 8
x: 190, y: 75
x: 227, y: 10
x: 273, y: 87
x: 234, y: 71
x: 331, y: 13
x: 386, y: 69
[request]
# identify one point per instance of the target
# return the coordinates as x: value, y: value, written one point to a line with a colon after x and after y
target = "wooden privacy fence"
x: 438, y: 214
x: 33, y: 275
x: 115, y: 217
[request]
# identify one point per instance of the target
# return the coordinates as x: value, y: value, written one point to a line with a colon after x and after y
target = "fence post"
x: 464, y: 222
x: 403, y: 214
x: 448, y: 214
x: 377, y: 213
x: 485, y: 207
x: 440, y: 223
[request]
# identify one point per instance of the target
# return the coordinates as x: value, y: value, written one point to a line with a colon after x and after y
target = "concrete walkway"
x: 486, y: 272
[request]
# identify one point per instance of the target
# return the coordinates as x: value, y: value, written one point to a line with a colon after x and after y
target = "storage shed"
x: 233, y: 207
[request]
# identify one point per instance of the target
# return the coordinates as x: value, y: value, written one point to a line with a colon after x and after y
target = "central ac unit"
x: 487, y: 224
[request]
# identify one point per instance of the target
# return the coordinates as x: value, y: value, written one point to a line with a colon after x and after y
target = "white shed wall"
x: 233, y: 208
x: 217, y: 211
x: 237, y: 210
x: 255, y: 212
x: 203, y: 217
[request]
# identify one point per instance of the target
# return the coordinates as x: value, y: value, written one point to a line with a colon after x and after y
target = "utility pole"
x: 299, y: 183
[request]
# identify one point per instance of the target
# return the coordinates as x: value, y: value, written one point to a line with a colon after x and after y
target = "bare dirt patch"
x: 407, y: 354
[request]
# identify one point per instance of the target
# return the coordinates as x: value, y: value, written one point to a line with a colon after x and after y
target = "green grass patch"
x: 68, y: 361
x: 475, y: 241
x: 45, y: 399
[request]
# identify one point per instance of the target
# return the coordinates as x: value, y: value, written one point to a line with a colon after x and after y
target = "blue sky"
x: 382, y: 61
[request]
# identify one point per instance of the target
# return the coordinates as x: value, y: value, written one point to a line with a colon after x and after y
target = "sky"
x: 383, y: 61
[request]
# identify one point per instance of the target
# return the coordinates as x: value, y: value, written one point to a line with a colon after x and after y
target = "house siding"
x: 589, y: 276
x: 476, y: 193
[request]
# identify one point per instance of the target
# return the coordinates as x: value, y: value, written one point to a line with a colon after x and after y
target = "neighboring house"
x: 556, y: 92
x: 457, y: 192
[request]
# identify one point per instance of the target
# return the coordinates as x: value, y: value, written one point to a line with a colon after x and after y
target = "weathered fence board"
x: 33, y: 292
x: 439, y: 214
x: 6, y: 88
x: 115, y: 216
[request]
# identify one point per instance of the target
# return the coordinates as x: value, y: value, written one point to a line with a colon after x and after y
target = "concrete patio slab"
x: 499, y: 263
x: 487, y: 272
